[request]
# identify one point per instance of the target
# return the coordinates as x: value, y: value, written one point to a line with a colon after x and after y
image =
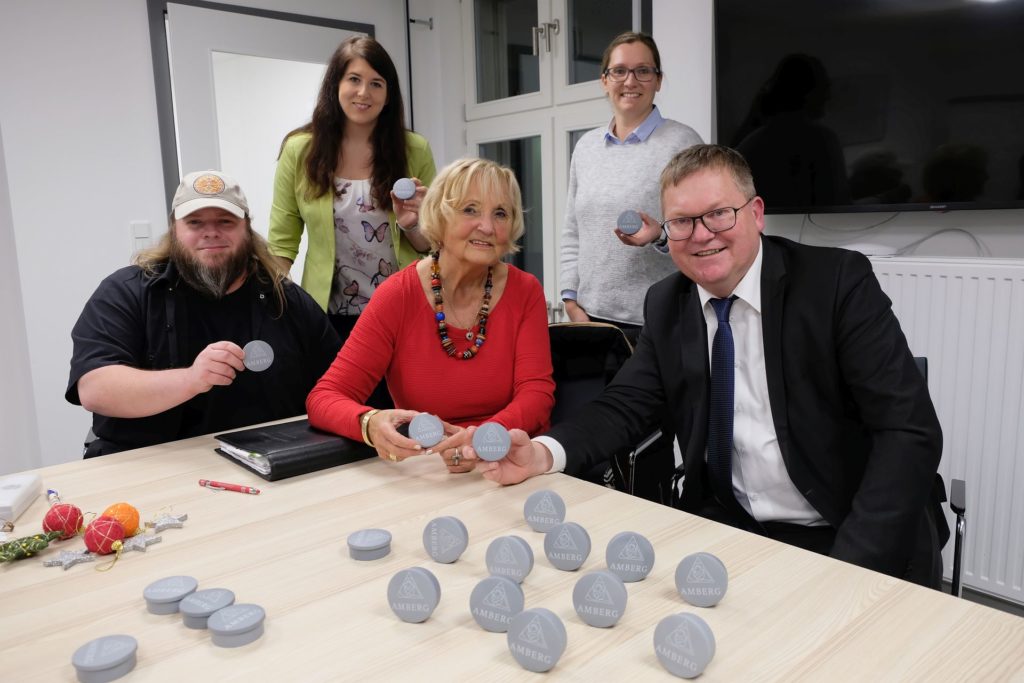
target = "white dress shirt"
x: 759, y: 477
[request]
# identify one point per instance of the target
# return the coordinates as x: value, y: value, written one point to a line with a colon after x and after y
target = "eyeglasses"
x: 642, y: 73
x: 716, y: 220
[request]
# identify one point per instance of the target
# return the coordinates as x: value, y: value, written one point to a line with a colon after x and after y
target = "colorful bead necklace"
x: 442, y: 327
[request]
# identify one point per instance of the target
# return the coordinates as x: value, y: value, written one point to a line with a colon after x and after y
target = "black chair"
x: 957, y: 503
x: 585, y: 358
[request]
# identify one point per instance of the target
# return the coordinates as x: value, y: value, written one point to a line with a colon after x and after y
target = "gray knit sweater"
x: 609, y: 277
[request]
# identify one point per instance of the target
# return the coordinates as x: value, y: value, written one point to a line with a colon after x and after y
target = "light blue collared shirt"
x: 640, y: 133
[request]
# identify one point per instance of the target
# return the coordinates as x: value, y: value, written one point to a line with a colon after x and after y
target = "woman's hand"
x: 456, y: 450
x: 575, y: 312
x: 648, y: 233
x: 383, y: 431
x: 407, y: 211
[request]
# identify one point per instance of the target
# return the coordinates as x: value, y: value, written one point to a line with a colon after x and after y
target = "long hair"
x: 265, y: 267
x: 390, y: 161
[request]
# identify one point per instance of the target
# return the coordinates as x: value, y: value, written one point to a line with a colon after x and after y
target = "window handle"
x: 537, y: 32
x: 553, y: 27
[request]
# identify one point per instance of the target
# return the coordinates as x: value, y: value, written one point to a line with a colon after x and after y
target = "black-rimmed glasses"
x: 641, y: 73
x: 715, y: 220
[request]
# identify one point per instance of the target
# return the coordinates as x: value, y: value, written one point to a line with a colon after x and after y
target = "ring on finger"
x: 457, y: 458
x: 392, y: 457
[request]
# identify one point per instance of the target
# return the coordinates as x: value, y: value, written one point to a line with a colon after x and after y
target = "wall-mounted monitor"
x: 874, y: 105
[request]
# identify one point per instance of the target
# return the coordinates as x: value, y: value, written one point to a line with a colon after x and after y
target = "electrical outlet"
x: 141, y: 233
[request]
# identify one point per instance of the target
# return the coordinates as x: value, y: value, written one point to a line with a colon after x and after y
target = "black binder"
x: 289, y: 449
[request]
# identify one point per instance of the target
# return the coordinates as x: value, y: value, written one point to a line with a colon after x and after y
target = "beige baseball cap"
x: 202, y: 189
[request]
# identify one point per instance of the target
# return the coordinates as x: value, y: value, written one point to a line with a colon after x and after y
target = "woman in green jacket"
x: 334, y: 176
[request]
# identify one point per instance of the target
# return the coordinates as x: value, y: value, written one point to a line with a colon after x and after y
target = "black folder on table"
x: 289, y: 449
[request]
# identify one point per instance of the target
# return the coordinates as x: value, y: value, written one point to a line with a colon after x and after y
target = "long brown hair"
x: 390, y: 161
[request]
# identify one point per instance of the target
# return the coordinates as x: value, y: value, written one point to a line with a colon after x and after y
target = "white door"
x: 239, y: 84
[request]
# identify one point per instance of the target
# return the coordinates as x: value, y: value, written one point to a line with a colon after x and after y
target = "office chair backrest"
x: 957, y: 503
x: 585, y: 357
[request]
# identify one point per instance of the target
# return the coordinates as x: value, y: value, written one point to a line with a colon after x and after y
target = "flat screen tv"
x: 874, y: 105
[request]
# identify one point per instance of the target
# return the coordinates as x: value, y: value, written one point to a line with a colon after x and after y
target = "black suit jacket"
x: 856, y: 427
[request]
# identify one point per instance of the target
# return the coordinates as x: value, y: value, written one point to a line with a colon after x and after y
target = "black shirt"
x: 159, y: 322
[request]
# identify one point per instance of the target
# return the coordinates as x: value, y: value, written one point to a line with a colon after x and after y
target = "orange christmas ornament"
x: 126, y: 514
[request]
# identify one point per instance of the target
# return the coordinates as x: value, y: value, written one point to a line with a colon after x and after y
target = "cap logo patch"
x: 208, y: 184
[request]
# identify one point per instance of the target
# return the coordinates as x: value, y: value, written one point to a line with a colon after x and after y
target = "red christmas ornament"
x: 102, y: 534
x: 65, y: 518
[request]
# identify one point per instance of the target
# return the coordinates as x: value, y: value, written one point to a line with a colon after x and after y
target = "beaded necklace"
x: 442, y: 327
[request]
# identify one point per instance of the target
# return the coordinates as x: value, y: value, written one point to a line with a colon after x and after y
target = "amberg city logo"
x: 698, y: 573
x: 498, y: 599
x: 445, y: 541
x: 505, y: 555
x: 680, y: 640
x: 564, y: 541
x: 631, y: 551
x: 545, y: 506
x: 534, y: 634
x: 599, y: 593
x: 409, y: 590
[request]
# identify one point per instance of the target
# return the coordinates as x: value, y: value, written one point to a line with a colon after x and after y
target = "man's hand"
x: 124, y: 391
x: 524, y: 459
x: 216, y: 365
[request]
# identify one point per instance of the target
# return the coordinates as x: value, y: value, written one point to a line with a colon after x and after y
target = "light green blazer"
x: 291, y: 210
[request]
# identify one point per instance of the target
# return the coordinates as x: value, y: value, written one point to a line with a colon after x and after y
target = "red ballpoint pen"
x: 221, y: 486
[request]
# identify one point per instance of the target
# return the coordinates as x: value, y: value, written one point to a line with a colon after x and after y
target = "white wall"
x: 17, y: 413
x: 437, y: 77
x: 82, y: 157
x: 683, y: 33
x: 80, y: 141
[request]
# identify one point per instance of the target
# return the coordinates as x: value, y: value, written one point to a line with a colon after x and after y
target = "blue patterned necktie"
x: 720, y: 412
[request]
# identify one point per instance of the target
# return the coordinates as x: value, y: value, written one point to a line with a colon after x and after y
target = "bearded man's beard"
x: 212, y: 281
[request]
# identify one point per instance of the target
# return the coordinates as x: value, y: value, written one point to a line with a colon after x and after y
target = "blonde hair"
x: 450, y: 188
x: 265, y: 266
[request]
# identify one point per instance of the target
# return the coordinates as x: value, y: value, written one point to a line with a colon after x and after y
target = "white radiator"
x: 967, y: 317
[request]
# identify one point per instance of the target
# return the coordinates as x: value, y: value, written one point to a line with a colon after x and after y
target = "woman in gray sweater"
x: 604, y: 274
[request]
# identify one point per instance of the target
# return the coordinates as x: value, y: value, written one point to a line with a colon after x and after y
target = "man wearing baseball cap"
x: 158, y: 350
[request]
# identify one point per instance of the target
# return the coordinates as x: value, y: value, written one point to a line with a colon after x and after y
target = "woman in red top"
x: 460, y: 334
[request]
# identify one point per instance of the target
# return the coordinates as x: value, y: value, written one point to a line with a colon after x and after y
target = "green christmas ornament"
x: 20, y: 548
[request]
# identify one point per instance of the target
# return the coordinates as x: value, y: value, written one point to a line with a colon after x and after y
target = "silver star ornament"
x: 139, y: 542
x: 69, y: 558
x: 168, y: 522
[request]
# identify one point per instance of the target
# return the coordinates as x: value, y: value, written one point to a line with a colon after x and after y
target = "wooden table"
x: 788, y: 615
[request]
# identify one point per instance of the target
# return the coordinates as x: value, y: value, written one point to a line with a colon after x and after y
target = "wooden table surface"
x: 788, y: 615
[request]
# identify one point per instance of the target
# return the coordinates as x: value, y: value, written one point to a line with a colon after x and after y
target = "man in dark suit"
x: 817, y: 431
